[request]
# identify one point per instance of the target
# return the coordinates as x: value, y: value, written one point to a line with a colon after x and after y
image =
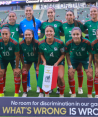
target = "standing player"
x: 28, y: 48
x: 14, y: 28
x: 80, y: 48
x: 52, y: 53
x: 9, y: 51
x: 94, y: 45
x: 67, y: 28
x: 30, y: 22
x: 53, y: 22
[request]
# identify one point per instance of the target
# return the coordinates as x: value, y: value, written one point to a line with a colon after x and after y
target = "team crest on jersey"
x: 55, y: 25
x: 24, y: 25
x: 10, y: 48
x: 24, y: 49
x: 83, y: 49
x: 1, y: 47
x: 65, y: 27
x: 45, y: 49
x: 55, y: 48
x: 90, y: 26
x: 16, y: 29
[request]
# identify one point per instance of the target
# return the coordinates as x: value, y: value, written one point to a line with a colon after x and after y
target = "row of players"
x: 51, y: 51
x: 32, y: 23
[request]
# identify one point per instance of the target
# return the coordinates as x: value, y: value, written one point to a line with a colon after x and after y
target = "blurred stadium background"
x: 81, y: 10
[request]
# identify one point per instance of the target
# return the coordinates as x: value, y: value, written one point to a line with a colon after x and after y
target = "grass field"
x: 10, y: 83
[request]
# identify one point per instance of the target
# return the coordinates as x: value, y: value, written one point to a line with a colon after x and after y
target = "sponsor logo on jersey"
x: 83, y: 49
x: 16, y: 29
x: 10, y: 48
x: 24, y: 49
x: 24, y: 25
x: 87, y: 61
x: 73, y: 49
x: 45, y: 49
x: 55, y: 25
x: 55, y: 48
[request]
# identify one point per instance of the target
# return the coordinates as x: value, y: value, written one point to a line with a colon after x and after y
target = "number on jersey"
x: 78, y: 53
x: 6, y: 54
x: 30, y: 54
x: 51, y: 54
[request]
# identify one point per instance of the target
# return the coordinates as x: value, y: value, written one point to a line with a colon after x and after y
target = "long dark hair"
x: 33, y: 39
x: 76, y: 22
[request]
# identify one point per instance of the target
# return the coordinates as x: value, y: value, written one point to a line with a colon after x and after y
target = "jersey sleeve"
x: 89, y: 48
x: 20, y: 28
x: 40, y: 49
x: 61, y: 27
x: 94, y: 49
x: 42, y: 29
x: 17, y: 47
x: 67, y: 47
x: 84, y: 27
x: 62, y: 48
x: 21, y: 52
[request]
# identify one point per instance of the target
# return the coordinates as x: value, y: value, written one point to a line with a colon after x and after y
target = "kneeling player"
x: 52, y: 53
x: 9, y: 51
x: 80, y: 48
x: 28, y: 48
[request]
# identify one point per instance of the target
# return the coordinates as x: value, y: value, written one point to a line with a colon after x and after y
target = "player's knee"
x: 89, y: 75
x: 70, y: 76
x: 61, y: 76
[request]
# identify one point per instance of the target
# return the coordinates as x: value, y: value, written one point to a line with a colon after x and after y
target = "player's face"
x: 94, y: 13
x: 12, y: 17
x: 69, y: 16
x: 49, y: 32
x: 76, y: 35
x: 28, y: 12
x: 50, y: 14
x: 5, y: 35
x: 28, y: 37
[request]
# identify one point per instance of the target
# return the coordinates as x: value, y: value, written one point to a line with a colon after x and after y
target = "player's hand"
x: 96, y: 71
x: 37, y: 67
x: 56, y: 64
x: 44, y: 63
x: 90, y: 70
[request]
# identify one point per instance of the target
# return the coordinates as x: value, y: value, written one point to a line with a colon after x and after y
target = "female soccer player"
x: 80, y: 48
x: 52, y: 53
x: 67, y: 28
x: 9, y: 51
x: 28, y: 48
x: 14, y: 28
x: 53, y: 22
x: 30, y: 22
x: 92, y: 25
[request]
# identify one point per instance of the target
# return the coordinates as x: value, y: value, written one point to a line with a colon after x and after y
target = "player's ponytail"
x: 33, y: 21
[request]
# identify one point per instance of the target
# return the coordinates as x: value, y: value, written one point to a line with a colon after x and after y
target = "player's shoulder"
x: 79, y: 21
x: 59, y: 21
x: 3, y: 24
x: 37, y: 20
x: 69, y: 42
x: 88, y: 21
x: 1, y: 40
x: 94, y: 42
x: 41, y: 42
x: 36, y: 41
x: 84, y: 40
x: 65, y: 22
x: 23, y: 21
x: 22, y: 42
x: 13, y: 41
x: 58, y: 41
x: 44, y: 21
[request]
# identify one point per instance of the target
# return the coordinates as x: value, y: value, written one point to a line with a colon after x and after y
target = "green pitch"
x: 9, y: 88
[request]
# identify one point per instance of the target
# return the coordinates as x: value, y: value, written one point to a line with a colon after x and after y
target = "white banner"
x: 61, y: 5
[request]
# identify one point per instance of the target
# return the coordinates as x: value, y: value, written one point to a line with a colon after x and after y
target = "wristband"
x: 69, y: 66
